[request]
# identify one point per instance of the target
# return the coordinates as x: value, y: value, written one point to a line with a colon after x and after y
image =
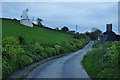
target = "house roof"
x: 111, y: 35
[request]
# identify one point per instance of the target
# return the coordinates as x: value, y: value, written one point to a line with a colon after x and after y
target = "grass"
x: 40, y: 35
x: 92, y: 61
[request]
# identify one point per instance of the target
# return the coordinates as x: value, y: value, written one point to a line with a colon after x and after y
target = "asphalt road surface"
x: 69, y: 66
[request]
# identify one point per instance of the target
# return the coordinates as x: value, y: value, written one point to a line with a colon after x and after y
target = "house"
x: 112, y: 36
x: 117, y: 37
x: 72, y: 32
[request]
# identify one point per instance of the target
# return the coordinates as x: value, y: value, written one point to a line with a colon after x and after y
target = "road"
x: 69, y: 66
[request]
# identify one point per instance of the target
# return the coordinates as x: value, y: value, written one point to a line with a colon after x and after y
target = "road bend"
x: 69, y: 66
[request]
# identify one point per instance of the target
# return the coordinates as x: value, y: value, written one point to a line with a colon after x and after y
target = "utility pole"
x: 102, y: 52
x: 76, y: 28
x: 103, y: 38
x: 76, y: 31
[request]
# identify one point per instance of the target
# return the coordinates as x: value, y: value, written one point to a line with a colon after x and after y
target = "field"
x: 40, y: 35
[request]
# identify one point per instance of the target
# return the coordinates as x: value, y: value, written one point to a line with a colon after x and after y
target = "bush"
x: 97, y: 44
x: 50, y: 51
x: 37, y: 48
x: 35, y: 57
x: 57, y: 48
x: 67, y: 46
x: 18, y: 54
x: 0, y: 49
x: 92, y: 62
x: 44, y: 55
x: 23, y: 61
x: 21, y: 40
x: 12, y: 49
x: 34, y: 51
x: 110, y: 68
x: 7, y: 68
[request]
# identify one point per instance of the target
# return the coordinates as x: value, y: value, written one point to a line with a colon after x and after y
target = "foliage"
x: 65, y: 29
x: 11, y: 48
x: 57, y: 48
x: 97, y: 44
x: 21, y: 40
x: 23, y: 61
x: 0, y: 49
x: 35, y: 57
x: 17, y: 56
x: 37, y: 48
x: 34, y: 51
x: 50, y: 51
x: 96, y: 33
x: 44, y: 55
x: 110, y: 68
x: 11, y: 51
x: 7, y: 68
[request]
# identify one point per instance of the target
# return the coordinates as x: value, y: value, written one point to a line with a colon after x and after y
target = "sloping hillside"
x: 40, y: 35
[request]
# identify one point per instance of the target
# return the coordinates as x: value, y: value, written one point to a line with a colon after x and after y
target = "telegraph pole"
x: 102, y: 52
x: 76, y: 29
x: 76, y: 32
x: 103, y: 38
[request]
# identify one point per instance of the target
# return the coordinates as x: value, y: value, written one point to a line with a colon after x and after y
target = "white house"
x: 25, y: 19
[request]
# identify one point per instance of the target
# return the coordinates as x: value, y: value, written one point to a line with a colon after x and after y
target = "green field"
x: 40, y: 35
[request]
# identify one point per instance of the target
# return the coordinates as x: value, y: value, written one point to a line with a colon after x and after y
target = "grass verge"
x: 92, y: 61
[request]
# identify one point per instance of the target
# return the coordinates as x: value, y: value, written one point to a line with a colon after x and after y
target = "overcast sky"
x: 58, y: 14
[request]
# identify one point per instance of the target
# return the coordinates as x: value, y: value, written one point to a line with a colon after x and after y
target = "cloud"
x: 58, y: 14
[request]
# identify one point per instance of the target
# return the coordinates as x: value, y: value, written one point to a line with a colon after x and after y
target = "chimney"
x: 109, y: 27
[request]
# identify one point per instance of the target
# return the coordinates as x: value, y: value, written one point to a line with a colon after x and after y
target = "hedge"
x: 17, y: 56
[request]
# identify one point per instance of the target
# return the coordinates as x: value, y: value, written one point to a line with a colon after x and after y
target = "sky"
x: 86, y: 15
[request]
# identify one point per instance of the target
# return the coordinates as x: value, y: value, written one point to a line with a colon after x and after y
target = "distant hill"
x: 37, y: 34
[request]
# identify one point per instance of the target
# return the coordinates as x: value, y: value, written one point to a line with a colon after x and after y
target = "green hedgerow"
x: 37, y: 48
x: 50, y: 51
x: 110, y: 68
x: 57, y: 48
x: 7, y: 68
x: 11, y: 48
x: 24, y: 60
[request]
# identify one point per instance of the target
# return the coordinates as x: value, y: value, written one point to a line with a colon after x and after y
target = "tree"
x: 94, y: 29
x: 56, y: 28
x: 65, y: 29
x: 96, y: 33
